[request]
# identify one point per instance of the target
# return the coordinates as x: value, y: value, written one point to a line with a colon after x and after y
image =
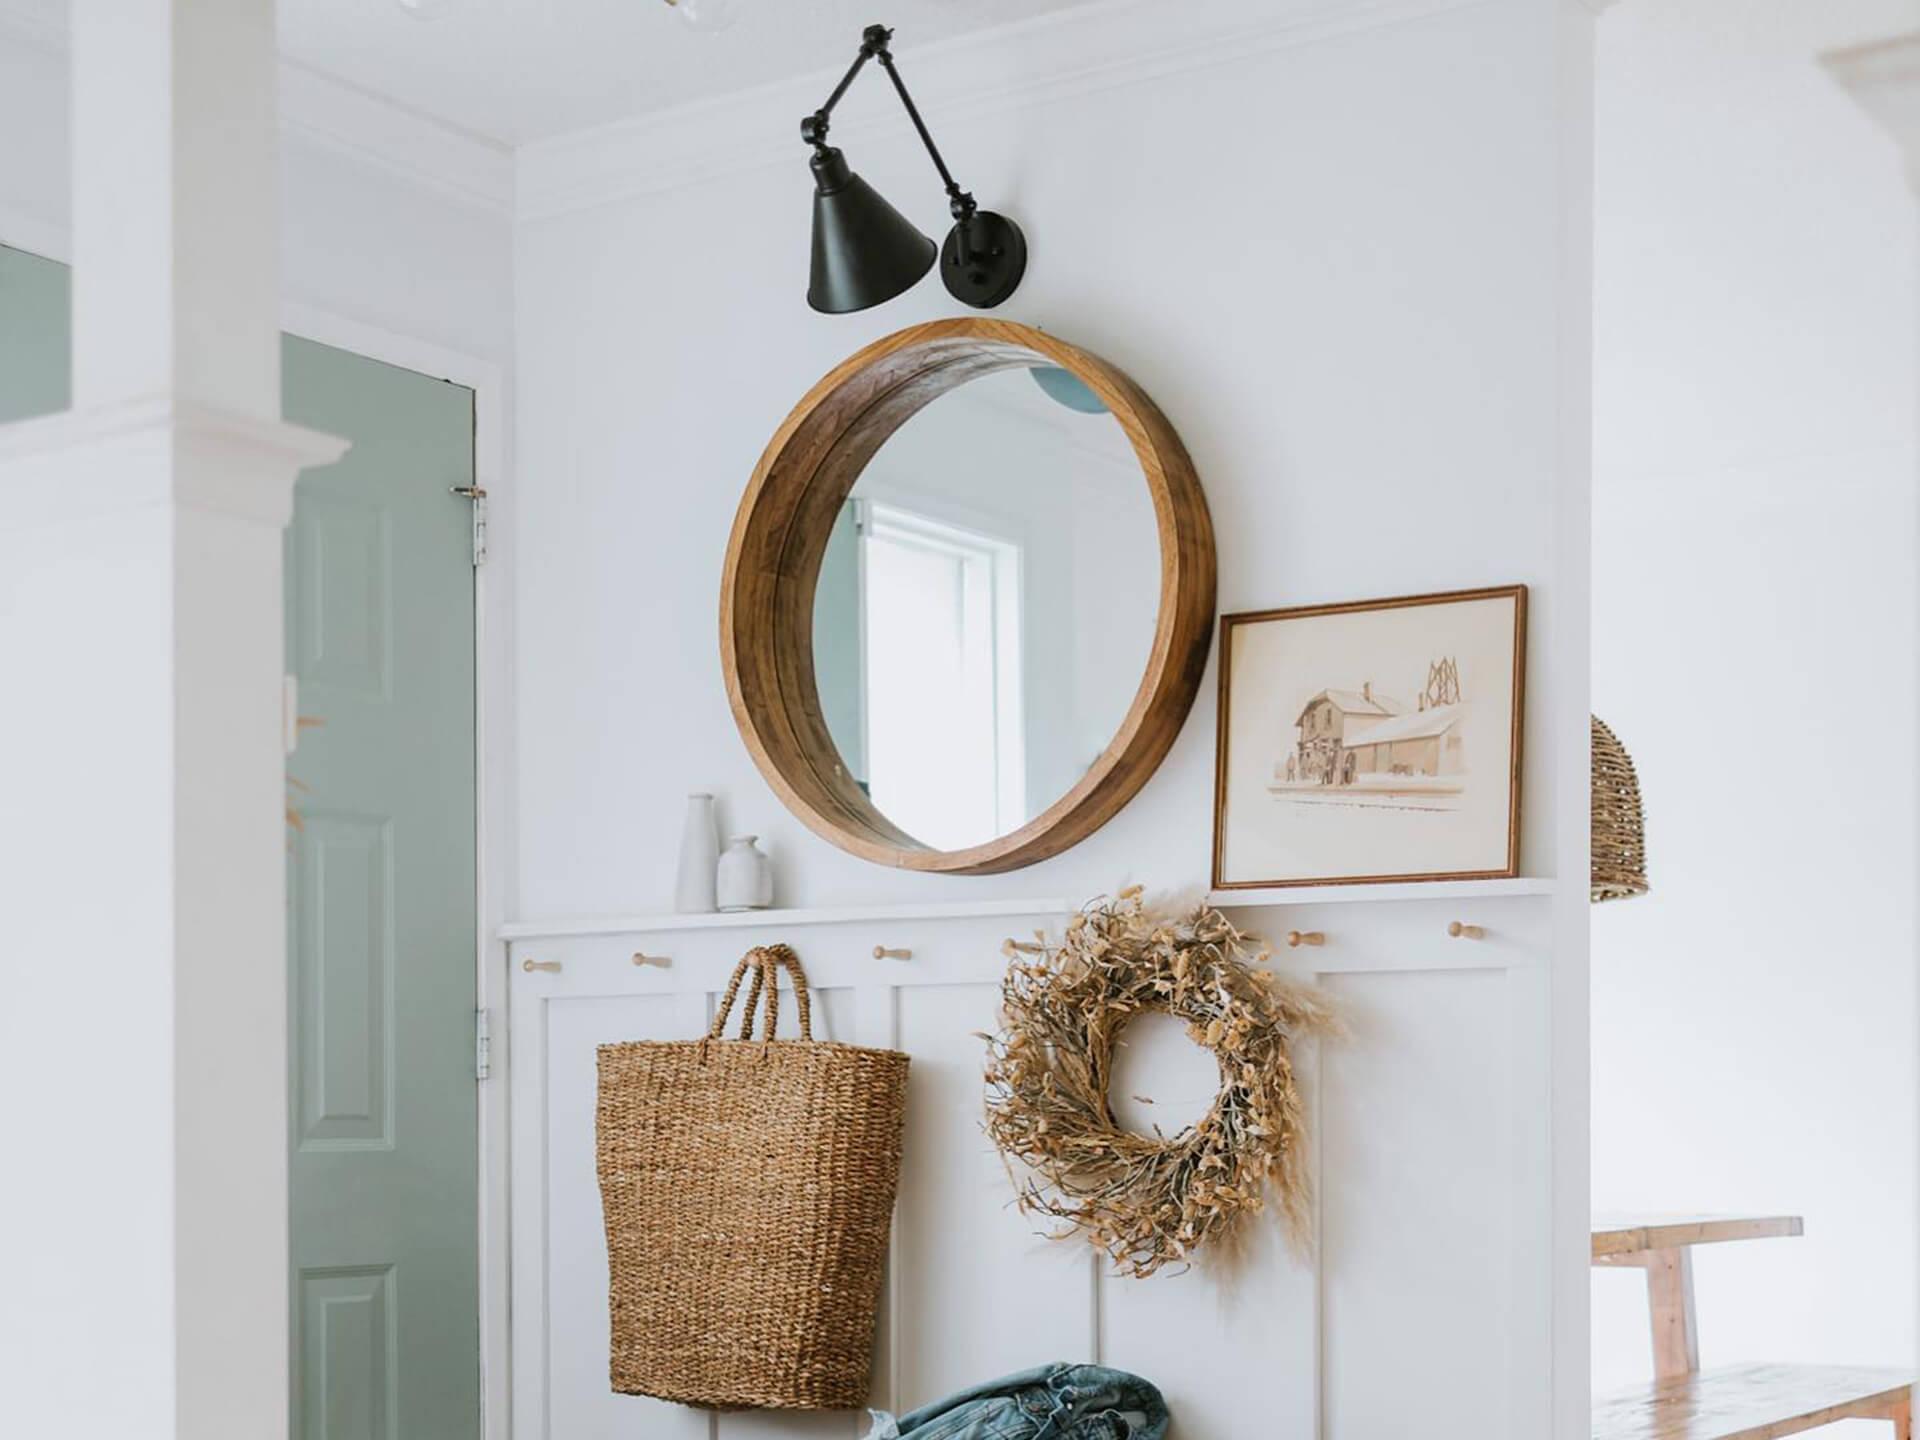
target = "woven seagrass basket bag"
x: 748, y: 1188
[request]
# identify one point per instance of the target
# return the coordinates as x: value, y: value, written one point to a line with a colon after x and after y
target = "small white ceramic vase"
x: 745, y: 876
x: 693, y: 890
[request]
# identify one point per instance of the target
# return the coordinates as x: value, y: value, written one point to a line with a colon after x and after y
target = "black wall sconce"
x: 865, y: 252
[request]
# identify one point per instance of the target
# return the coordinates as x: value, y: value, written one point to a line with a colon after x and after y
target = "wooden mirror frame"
x: 779, y: 540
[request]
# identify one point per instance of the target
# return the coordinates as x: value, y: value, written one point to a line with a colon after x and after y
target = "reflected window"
x: 943, y: 731
x: 986, y: 603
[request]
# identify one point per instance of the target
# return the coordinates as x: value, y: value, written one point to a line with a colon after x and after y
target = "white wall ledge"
x: 1380, y: 894
x: 775, y: 919
x: 656, y: 922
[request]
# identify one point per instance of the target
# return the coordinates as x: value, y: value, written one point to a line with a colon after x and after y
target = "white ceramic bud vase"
x: 745, y: 878
x: 693, y: 890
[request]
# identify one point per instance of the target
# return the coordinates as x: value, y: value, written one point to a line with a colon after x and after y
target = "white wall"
x: 33, y: 178
x: 1330, y: 252
x: 1344, y: 249
x: 1754, y: 562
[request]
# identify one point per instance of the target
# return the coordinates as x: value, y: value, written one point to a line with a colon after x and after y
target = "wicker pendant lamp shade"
x: 1619, y: 829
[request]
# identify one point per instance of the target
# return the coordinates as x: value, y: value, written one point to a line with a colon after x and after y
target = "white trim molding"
x: 1084, y: 50
x: 62, y: 467
x: 319, y: 110
x: 1884, y: 77
x: 519, y: 930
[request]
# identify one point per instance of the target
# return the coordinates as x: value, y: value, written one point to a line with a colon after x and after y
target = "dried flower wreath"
x: 1149, y: 1201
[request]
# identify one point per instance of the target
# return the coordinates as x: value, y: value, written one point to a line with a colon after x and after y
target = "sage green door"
x: 381, y: 947
x: 381, y: 941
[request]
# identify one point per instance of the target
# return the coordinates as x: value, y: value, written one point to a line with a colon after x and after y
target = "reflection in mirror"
x: 986, y: 605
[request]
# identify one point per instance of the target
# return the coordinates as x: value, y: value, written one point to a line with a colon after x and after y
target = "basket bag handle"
x: 765, y: 962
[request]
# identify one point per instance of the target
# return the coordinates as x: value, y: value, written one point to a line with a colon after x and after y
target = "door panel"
x: 381, y: 939
x: 348, y: 1353
x: 343, y: 984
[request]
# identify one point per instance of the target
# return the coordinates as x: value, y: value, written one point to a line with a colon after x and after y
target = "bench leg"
x: 1902, y: 1417
x: 1670, y: 1297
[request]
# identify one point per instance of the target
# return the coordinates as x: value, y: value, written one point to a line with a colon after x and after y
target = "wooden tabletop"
x: 1618, y: 1235
x: 1750, y: 1402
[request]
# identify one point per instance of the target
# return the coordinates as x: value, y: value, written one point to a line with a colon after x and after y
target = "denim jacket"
x: 1052, y: 1402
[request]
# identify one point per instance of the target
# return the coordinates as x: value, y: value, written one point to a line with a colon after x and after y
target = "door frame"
x: 493, y: 730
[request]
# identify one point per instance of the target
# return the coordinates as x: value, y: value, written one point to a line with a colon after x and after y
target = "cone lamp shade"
x: 865, y: 252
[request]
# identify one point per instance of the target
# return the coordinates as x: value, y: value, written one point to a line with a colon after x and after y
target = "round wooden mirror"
x: 962, y: 644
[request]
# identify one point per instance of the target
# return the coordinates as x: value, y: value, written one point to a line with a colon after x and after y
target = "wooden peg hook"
x: 881, y: 952
x: 550, y: 966
x: 1297, y: 938
x: 640, y: 957
x: 1461, y: 931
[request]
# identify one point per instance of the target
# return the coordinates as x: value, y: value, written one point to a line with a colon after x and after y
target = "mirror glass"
x: 986, y: 605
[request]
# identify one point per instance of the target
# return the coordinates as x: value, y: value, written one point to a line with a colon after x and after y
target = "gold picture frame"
x: 1363, y: 786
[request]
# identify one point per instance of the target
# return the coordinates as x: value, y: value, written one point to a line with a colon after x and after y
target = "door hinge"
x: 478, y: 495
x: 482, y: 1045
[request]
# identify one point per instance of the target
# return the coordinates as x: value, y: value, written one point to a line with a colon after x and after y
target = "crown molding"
x: 1884, y: 78
x: 1057, y: 56
x: 323, y: 111
x: 318, y: 110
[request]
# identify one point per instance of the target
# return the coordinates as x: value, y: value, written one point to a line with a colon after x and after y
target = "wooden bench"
x: 1742, y: 1402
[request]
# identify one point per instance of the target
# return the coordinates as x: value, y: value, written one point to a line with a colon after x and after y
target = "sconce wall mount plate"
x: 993, y: 269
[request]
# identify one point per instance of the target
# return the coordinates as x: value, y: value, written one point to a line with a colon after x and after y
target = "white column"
x: 143, y: 1026
x: 1567, y: 1319
x: 1884, y: 78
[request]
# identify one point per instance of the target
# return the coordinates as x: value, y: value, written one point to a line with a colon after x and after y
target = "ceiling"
x: 521, y: 70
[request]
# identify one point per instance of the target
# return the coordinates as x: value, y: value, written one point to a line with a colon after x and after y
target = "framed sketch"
x: 1370, y: 742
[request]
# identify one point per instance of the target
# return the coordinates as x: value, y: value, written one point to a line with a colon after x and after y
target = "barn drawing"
x: 1364, y: 737
x: 1330, y: 724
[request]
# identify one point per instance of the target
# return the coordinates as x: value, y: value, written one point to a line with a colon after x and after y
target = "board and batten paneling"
x: 1423, y: 1305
